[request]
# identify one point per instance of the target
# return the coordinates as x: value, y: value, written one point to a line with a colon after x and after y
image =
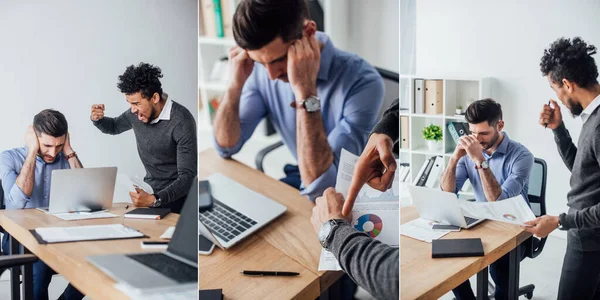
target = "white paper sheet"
x: 86, y: 233
x: 513, y: 210
x: 85, y: 216
x: 420, y: 229
x: 327, y: 262
x: 168, y: 234
x: 125, y: 184
x: 174, y: 293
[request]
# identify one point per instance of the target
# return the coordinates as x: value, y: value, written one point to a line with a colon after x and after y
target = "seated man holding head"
x: 497, y: 167
x: 26, y: 175
x: 319, y: 98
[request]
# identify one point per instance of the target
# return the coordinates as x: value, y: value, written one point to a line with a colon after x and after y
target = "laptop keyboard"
x: 470, y: 220
x: 167, y: 266
x: 225, y: 222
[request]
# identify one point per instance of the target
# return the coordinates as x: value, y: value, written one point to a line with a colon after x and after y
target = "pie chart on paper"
x: 370, y: 224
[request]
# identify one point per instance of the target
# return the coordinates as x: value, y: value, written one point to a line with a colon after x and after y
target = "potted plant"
x: 433, y: 135
x: 459, y: 110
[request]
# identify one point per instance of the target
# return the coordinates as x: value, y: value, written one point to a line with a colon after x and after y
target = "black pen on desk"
x: 269, y: 273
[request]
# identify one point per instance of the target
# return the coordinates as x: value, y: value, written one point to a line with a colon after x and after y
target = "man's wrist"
x: 305, y: 92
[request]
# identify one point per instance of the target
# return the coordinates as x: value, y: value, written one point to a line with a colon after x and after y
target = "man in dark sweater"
x: 572, y: 74
x: 165, y: 133
x: 372, y: 265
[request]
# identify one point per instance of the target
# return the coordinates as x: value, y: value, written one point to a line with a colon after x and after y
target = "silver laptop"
x: 81, y: 189
x: 175, y: 269
x: 237, y: 212
x: 440, y: 206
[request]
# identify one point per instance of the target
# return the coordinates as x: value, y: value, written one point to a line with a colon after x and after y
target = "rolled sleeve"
x: 252, y: 110
x: 317, y: 187
x: 14, y: 197
x: 521, y: 169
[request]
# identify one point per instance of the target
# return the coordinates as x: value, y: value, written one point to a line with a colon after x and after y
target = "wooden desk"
x: 68, y: 259
x: 423, y: 277
x: 287, y: 244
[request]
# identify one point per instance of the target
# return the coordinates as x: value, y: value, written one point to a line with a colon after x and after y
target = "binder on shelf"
x: 435, y: 173
x: 404, y: 130
x: 218, y: 18
x: 208, y: 18
x: 227, y: 17
x: 453, y: 132
x: 419, y: 96
x: 434, y: 97
x: 420, y: 173
x: 421, y: 180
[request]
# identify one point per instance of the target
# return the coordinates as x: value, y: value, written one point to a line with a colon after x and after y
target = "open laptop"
x: 177, y: 268
x: 237, y: 212
x: 437, y: 205
x: 81, y: 189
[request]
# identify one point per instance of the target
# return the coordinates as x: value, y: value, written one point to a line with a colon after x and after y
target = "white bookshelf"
x: 456, y: 91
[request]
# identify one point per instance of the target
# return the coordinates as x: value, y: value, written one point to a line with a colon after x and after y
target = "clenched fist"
x: 97, y: 112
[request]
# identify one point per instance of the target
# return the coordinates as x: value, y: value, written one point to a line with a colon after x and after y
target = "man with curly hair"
x: 572, y: 74
x: 165, y: 133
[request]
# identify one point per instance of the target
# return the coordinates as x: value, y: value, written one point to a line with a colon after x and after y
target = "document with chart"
x: 513, y: 210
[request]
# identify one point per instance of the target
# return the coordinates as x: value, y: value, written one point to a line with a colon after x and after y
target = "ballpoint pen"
x: 269, y: 273
x: 546, y: 124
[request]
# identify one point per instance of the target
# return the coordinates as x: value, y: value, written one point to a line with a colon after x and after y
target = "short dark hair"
x: 571, y: 60
x: 484, y: 110
x: 144, y: 79
x: 258, y: 22
x: 50, y: 122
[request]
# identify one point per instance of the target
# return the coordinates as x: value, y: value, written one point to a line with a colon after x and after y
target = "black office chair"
x: 391, y: 82
x: 537, y: 200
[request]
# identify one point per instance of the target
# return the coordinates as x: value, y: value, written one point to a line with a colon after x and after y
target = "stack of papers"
x: 84, y: 215
x: 420, y: 229
x: 85, y: 233
x: 513, y: 210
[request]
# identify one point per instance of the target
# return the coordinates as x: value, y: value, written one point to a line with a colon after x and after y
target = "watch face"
x: 312, y: 104
x: 485, y: 165
x: 324, y: 232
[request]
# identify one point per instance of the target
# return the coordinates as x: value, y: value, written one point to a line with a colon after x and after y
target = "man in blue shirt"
x: 26, y: 175
x: 497, y: 167
x: 319, y: 98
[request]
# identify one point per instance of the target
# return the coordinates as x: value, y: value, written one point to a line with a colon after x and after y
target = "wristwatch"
x: 326, y: 231
x: 483, y: 165
x: 157, y: 201
x: 311, y: 104
x: 560, y: 225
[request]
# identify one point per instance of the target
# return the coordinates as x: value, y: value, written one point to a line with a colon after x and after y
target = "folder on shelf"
x: 422, y: 178
x: 404, y: 131
x: 434, y: 97
x: 419, y: 96
x: 435, y: 173
x: 208, y: 18
x: 227, y: 14
x: 218, y: 18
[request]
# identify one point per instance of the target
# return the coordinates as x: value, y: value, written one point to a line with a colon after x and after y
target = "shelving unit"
x: 461, y: 91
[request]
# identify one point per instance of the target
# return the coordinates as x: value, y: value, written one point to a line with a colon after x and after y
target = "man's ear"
x: 155, y: 98
x: 569, y: 85
x: 310, y: 28
x: 500, y: 125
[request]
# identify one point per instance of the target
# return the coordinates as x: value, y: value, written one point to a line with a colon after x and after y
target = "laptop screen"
x: 184, y: 242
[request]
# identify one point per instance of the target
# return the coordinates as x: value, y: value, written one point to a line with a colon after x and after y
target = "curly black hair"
x: 258, y: 22
x: 50, y: 122
x: 144, y: 79
x: 571, y: 60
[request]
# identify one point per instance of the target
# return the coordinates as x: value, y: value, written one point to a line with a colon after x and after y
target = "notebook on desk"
x: 456, y: 248
x: 148, y: 213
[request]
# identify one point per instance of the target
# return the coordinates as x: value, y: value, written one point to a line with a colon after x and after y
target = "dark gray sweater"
x: 372, y: 265
x: 168, y: 150
x: 583, y: 218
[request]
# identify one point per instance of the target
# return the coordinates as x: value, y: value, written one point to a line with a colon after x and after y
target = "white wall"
x: 67, y: 55
x: 372, y: 30
x: 506, y: 40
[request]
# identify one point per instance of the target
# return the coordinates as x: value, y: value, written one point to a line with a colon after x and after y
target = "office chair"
x: 8, y: 261
x: 391, y: 82
x: 537, y: 200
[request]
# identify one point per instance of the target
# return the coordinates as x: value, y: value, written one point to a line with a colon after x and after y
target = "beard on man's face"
x: 574, y: 107
x: 492, y: 142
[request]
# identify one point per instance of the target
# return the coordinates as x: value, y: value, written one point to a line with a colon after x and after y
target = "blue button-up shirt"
x: 11, y: 162
x: 351, y: 93
x: 511, y: 164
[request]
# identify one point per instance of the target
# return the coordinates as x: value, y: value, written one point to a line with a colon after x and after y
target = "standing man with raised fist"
x: 572, y: 74
x: 165, y: 133
x: 319, y: 98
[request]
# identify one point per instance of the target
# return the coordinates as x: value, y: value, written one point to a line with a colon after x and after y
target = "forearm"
x: 26, y: 178
x: 75, y: 163
x: 314, y: 152
x: 372, y: 265
x: 227, y: 120
x: 448, y: 181
x: 491, y: 188
x: 564, y: 143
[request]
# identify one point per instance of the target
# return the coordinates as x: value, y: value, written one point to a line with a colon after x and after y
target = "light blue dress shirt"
x: 11, y: 162
x: 351, y: 93
x: 511, y: 164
